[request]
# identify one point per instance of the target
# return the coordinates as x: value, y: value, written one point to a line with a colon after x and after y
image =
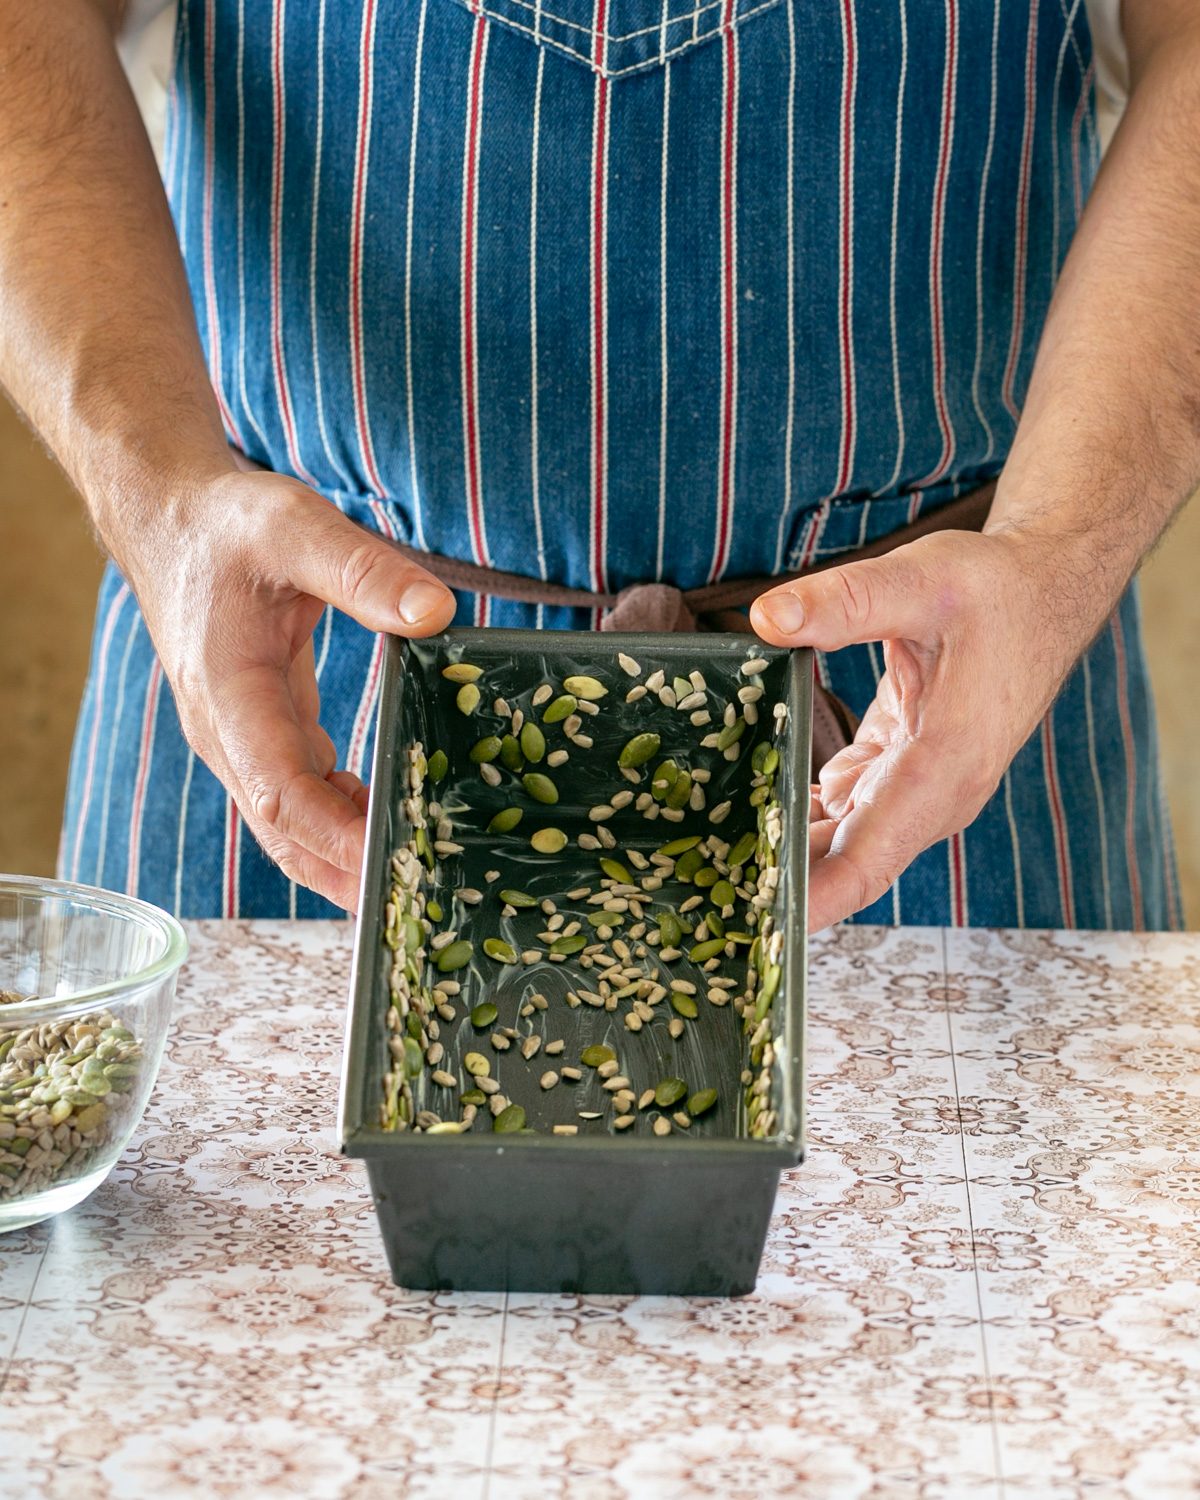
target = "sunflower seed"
x: 628, y: 664
x: 656, y: 680
x: 755, y: 665
x: 499, y: 1041
x: 676, y: 1027
x: 548, y: 1080
x: 662, y: 1126
x: 690, y: 702
x: 530, y: 1047
x: 623, y: 1122
x: 635, y: 693
x: 443, y: 1079
x: 557, y: 758
x: 589, y: 1114
x: 572, y: 1075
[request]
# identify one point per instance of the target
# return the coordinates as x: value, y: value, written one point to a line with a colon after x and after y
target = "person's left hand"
x: 978, y: 635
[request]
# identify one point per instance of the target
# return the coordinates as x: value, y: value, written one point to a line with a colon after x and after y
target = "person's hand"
x: 978, y: 636
x: 232, y: 577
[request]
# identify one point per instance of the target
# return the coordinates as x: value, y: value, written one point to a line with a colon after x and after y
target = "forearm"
x: 1108, y: 446
x: 98, y: 345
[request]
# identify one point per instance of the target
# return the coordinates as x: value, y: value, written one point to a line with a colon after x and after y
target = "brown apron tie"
x: 714, y: 606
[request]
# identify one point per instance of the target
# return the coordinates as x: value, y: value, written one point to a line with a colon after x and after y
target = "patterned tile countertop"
x: 982, y: 1282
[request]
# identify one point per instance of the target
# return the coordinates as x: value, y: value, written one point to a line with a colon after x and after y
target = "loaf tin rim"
x: 368, y: 1141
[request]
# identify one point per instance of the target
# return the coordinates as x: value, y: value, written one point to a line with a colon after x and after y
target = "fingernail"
x: 784, y: 611
x: 419, y: 601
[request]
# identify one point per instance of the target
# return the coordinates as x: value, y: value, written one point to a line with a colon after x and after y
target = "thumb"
x: 365, y: 577
x: 885, y: 598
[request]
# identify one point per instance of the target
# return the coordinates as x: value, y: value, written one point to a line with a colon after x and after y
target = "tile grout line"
x: 962, y: 1144
x: 16, y: 1345
x: 491, y: 1437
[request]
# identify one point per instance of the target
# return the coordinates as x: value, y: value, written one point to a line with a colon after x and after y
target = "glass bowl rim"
x: 114, y: 903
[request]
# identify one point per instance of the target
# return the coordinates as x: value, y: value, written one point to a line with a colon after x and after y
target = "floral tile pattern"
x: 983, y: 1281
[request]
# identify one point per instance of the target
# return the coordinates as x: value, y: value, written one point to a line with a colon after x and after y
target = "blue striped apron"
x: 615, y: 290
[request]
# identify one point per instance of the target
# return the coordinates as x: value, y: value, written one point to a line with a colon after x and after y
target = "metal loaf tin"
x: 596, y: 1212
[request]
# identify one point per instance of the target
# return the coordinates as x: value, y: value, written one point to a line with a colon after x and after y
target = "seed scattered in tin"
x: 517, y: 898
x: 510, y: 1119
x: 533, y: 742
x: 506, y: 819
x: 558, y: 758
x: 530, y: 1047
x: 701, y: 1101
x: 461, y: 671
x: 589, y: 1114
x: 569, y: 943
x: 443, y: 1079
x: 501, y: 951
x: 597, y: 1055
x: 548, y: 1080
x: 601, y: 812
x: 585, y: 707
x: 662, y: 1126
x: 467, y: 698
x: 491, y: 875
x: 645, y: 1099
x: 682, y: 1119
x: 587, y: 688
x: 656, y: 680
x: 755, y: 665
x: 438, y: 765
x: 623, y: 1122
x: 676, y: 1027
x: 484, y: 1015
x: 500, y: 1041
x: 552, y: 1049
x: 635, y: 693
x: 454, y: 956
x: 548, y: 840
x: 488, y: 748
x: 669, y: 1092
x: 565, y: 1129
x: 638, y: 750
x: 540, y: 787
x: 557, y: 711
x: 572, y: 1075
x: 690, y: 702
x: 628, y: 664
x: 683, y: 1005
x: 477, y: 1065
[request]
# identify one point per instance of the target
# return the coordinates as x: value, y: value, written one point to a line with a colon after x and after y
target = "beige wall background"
x: 50, y: 567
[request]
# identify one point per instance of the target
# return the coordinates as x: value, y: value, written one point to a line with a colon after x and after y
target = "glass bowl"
x: 94, y: 975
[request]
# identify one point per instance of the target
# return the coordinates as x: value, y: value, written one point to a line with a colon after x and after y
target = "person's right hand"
x: 232, y: 578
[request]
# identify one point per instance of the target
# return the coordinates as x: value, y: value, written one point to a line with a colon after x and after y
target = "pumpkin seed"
x: 722, y: 893
x: 684, y: 1005
x: 461, y: 671
x: 615, y: 869
x: 679, y: 846
x: 414, y: 1058
x: 473, y: 1096
x: 706, y: 877
x: 509, y: 1120
x: 533, y: 742
x: 597, y: 1055
x: 702, y: 952
x: 484, y: 1015
x: 540, y: 788
x: 518, y: 898
x: 669, y: 1091
x: 434, y: 911
x: 606, y: 918
x: 501, y: 951
x: 510, y: 754
x: 742, y: 850
x: 638, y: 750
x: 664, y: 778
x: 485, y: 749
x: 679, y: 791
x: 588, y: 688
x: 687, y: 866
x: 701, y: 1102
x: 455, y: 956
x: 730, y: 734
x: 477, y: 1065
x: 438, y: 765
x: 506, y: 820
x: 671, y: 929
x: 562, y: 706
x: 467, y: 698
x: 549, y: 840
